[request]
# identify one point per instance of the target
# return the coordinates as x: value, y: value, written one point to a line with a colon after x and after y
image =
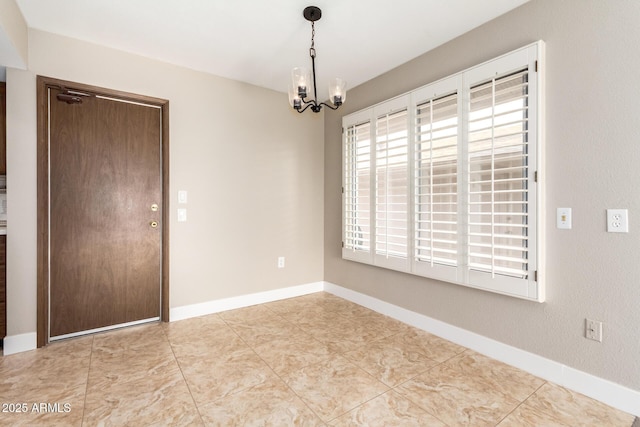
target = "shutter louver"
x: 498, y: 172
x: 392, y: 185
x: 357, y: 188
x: 436, y: 187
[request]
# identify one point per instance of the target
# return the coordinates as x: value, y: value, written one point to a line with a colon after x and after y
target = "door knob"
x: 153, y: 224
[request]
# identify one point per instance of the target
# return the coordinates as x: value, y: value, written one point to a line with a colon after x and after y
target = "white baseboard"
x: 605, y: 391
x: 216, y: 306
x: 18, y: 343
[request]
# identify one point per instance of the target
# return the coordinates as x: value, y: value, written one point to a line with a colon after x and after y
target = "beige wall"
x: 13, y: 36
x: 591, y: 164
x: 252, y: 166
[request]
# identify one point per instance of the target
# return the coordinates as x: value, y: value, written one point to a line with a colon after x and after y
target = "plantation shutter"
x: 443, y: 182
x: 392, y: 185
x: 498, y: 174
x: 357, y: 188
x: 436, y: 181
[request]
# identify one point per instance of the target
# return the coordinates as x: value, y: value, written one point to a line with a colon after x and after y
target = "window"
x: 441, y: 182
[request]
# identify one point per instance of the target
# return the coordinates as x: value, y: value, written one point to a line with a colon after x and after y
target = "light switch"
x: 182, y: 215
x: 182, y: 196
x: 563, y: 220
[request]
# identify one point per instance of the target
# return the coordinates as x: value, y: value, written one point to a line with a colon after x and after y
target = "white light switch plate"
x: 182, y: 215
x: 182, y: 196
x: 563, y: 218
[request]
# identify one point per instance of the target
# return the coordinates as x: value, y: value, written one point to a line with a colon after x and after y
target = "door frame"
x: 43, y: 83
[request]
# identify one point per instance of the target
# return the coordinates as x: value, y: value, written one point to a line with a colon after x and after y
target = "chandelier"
x: 303, y: 82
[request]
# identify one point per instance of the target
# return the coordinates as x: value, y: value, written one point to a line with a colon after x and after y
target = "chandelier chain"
x: 312, y: 50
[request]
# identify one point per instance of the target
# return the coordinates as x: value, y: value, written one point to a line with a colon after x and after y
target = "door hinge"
x: 535, y: 176
x: 342, y: 190
x: 343, y: 244
x: 535, y: 276
x: 536, y: 65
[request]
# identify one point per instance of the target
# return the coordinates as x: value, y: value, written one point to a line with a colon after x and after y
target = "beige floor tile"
x: 107, y: 353
x: 370, y: 327
x: 134, y: 378
x: 389, y: 409
x: 312, y: 319
x: 189, y: 329
x: 259, y: 331
x: 56, y: 355
x: 131, y: 337
x: 130, y: 365
x: 300, y: 304
x: 333, y: 388
x: 506, y: 379
x: 206, y: 343
x: 360, y: 317
x: 526, y: 416
x: 285, y: 355
x: 251, y: 313
x: 390, y: 362
x: 284, y: 306
x: 308, y: 360
x: 349, y: 309
x: 336, y: 304
x: 457, y: 398
x: 271, y: 403
x: 343, y: 334
x: 558, y: 406
x: 320, y: 306
x: 432, y: 346
x: 39, y: 375
x: 160, y: 400
x: 49, y: 404
x: 213, y: 377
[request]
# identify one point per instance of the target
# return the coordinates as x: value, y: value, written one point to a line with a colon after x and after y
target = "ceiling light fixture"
x: 301, y: 84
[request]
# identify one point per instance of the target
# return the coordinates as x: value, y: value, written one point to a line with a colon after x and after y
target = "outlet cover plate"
x: 617, y: 221
x: 593, y: 330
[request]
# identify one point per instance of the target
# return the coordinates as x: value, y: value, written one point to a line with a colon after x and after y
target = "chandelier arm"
x: 329, y: 106
x: 308, y: 104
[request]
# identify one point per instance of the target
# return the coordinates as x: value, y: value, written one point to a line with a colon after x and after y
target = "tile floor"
x: 309, y: 361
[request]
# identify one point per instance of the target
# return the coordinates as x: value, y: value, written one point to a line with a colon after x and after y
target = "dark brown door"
x: 105, y: 211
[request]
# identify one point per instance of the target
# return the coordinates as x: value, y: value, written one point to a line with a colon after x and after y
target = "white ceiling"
x: 260, y: 41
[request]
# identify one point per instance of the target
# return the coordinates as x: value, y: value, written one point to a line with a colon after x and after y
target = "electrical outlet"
x: 617, y: 221
x: 593, y: 330
x: 281, y: 262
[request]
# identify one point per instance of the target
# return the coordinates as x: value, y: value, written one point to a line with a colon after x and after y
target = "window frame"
x: 529, y: 288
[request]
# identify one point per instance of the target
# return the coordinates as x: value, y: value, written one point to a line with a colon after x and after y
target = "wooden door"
x: 105, y: 209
